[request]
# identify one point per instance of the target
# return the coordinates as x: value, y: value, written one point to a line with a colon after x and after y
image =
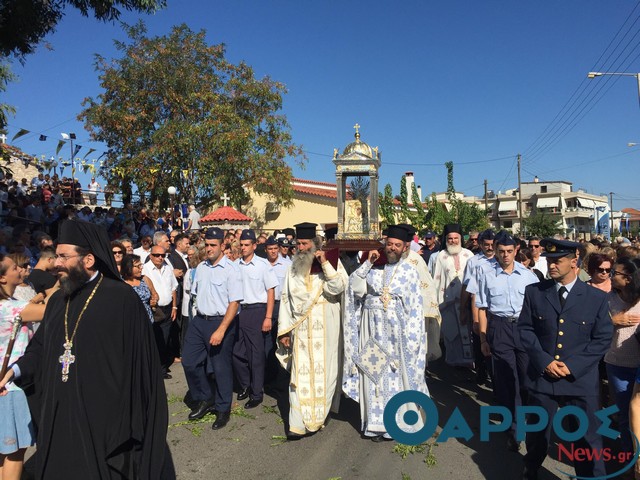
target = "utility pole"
x: 486, y: 192
x: 611, y: 213
x: 520, y: 196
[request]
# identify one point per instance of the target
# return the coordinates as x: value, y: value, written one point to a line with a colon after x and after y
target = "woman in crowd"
x: 623, y: 358
x: 525, y: 257
x: 119, y: 251
x: 25, y: 291
x: 599, y: 269
x: 131, y: 271
x: 16, y: 426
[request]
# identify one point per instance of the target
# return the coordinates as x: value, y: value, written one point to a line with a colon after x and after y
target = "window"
x: 543, y: 189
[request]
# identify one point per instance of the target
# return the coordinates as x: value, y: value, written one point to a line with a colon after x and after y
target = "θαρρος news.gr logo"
x: 457, y: 427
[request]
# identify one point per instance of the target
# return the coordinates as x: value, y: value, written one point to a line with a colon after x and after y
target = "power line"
x: 567, y: 113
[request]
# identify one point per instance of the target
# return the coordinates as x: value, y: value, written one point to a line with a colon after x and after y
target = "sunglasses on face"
x: 117, y: 252
x: 534, y: 246
x: 615, y: 273
x: 603, y: 270
x: 157, y: 254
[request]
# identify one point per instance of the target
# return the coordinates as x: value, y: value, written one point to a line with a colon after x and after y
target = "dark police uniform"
x: 578, y: 334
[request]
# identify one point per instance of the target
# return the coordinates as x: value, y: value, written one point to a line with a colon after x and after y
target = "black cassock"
x: 109, y: 420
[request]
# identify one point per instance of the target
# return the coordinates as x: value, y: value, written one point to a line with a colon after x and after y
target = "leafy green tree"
x: 540, y: 225
x: 385, y: 204
x: 404, y: 201
x: 174, y: 111
x: 418, y: 217
x: 24, y: 23
x: 470, y: 216
x: 6, y: 76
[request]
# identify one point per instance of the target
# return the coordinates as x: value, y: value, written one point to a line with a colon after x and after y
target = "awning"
x: 586, y: 203
x: 549, y: 202
x: 507, y: 205
x: 601, y: 204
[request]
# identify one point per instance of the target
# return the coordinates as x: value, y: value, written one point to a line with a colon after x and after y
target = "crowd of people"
x: 543, y: 322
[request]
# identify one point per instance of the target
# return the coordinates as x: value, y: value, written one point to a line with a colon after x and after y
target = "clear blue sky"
x: 428, y: 81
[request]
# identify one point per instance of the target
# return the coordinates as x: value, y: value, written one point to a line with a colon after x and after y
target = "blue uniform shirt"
x: 215, y: 286
x: 280, y: 268
x: 472, y: 270
x: 501, y: 293
x: 257, y: 277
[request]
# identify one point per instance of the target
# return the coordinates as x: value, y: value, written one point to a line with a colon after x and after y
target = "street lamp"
x: 71, y: 137
x: 172, y: 195
x: 593, y: 75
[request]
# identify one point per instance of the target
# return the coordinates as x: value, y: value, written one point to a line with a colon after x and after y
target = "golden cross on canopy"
x: 357, y: 127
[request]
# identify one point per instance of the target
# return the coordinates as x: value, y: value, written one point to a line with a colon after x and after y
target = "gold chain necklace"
x: 66, y: 359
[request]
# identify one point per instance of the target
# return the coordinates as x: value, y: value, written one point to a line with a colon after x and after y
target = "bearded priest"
x: 103, y: 408
x: 309, y: 332
x: 384, y: 336
x: 448, y: 271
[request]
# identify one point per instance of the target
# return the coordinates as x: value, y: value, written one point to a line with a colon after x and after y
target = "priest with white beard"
x: 309, y: 331
x: 384, y: 335
x: 448, y: 271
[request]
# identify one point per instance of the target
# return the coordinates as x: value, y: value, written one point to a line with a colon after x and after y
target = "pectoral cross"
x: 66, y: 359
x: 385, y: 298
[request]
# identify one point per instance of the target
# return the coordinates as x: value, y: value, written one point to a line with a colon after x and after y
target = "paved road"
x: 252, y: 444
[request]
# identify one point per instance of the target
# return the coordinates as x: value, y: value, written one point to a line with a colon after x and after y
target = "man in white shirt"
x: 194, y: 219
x: 94, y: 188
x: 540, y: 261
x: 161, y: 275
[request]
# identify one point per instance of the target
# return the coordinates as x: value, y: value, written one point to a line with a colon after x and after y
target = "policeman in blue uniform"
x: 500, y: 293
x: 565, y: 329
x: 280, y: 265
x: 211, y: 334
x: 254, y: 322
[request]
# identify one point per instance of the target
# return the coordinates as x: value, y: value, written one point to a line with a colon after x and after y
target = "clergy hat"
x: 271, y: 241
x: 290, y: 231
x: 410, y: 229
x: 214, y: 233
x: 330, y: 233
x: 93, y: 238
x: 504, y: 238
x: 398, y: 232
x: 248, y: 234
x: 558, y: 248
x: 452, y: 228
x: 305, y: 231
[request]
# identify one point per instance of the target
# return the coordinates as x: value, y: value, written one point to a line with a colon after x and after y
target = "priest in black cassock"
x: 103, y: 411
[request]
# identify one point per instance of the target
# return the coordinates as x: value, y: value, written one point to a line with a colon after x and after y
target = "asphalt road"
x: 253, y: 443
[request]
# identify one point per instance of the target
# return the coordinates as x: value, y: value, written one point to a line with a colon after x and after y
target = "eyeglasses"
x: 474, y: 239
x: 615, y: 273
x: 603, y: 270
x: 64, y: 258
x: 117, y: 252
x: 157, y: 254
